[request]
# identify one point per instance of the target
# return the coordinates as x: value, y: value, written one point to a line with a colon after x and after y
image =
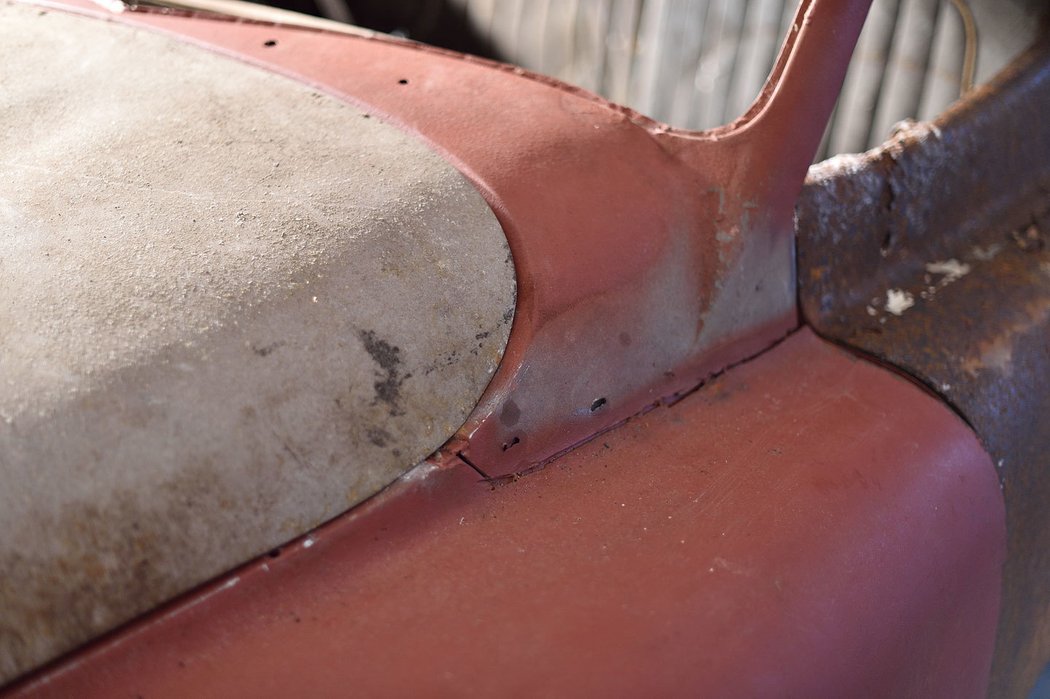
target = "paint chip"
x: 952, y: 269
x: 898, y: 301
x: 986, y: 254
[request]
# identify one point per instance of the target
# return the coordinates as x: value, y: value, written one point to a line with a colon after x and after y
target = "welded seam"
x: 465, y: 459
x: 667, y: 401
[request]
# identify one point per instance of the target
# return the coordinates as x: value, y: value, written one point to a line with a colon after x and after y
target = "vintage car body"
x: 670, y: 484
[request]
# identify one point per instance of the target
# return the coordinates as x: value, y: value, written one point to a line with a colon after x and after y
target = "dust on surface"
x: 216, y: 320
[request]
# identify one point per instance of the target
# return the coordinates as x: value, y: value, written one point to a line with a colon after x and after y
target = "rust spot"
x: 997, y: 352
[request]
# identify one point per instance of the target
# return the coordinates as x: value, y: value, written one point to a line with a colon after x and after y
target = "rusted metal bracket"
x: 931, y: 253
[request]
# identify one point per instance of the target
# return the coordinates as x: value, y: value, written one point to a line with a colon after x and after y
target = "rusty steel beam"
x: 930, y: 253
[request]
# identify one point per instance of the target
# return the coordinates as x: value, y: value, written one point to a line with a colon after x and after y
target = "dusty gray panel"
x: 232, y: 307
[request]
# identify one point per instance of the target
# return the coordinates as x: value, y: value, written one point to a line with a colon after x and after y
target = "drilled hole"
x: 402, y: 81
x: 508, y: 445
x: 269, y: 43
x: 598, y: 404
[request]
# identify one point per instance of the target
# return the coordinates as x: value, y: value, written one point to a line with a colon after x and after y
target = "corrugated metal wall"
x: 700, y: 63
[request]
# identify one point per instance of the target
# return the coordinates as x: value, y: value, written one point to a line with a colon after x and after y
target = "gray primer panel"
x: 231, y: 308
